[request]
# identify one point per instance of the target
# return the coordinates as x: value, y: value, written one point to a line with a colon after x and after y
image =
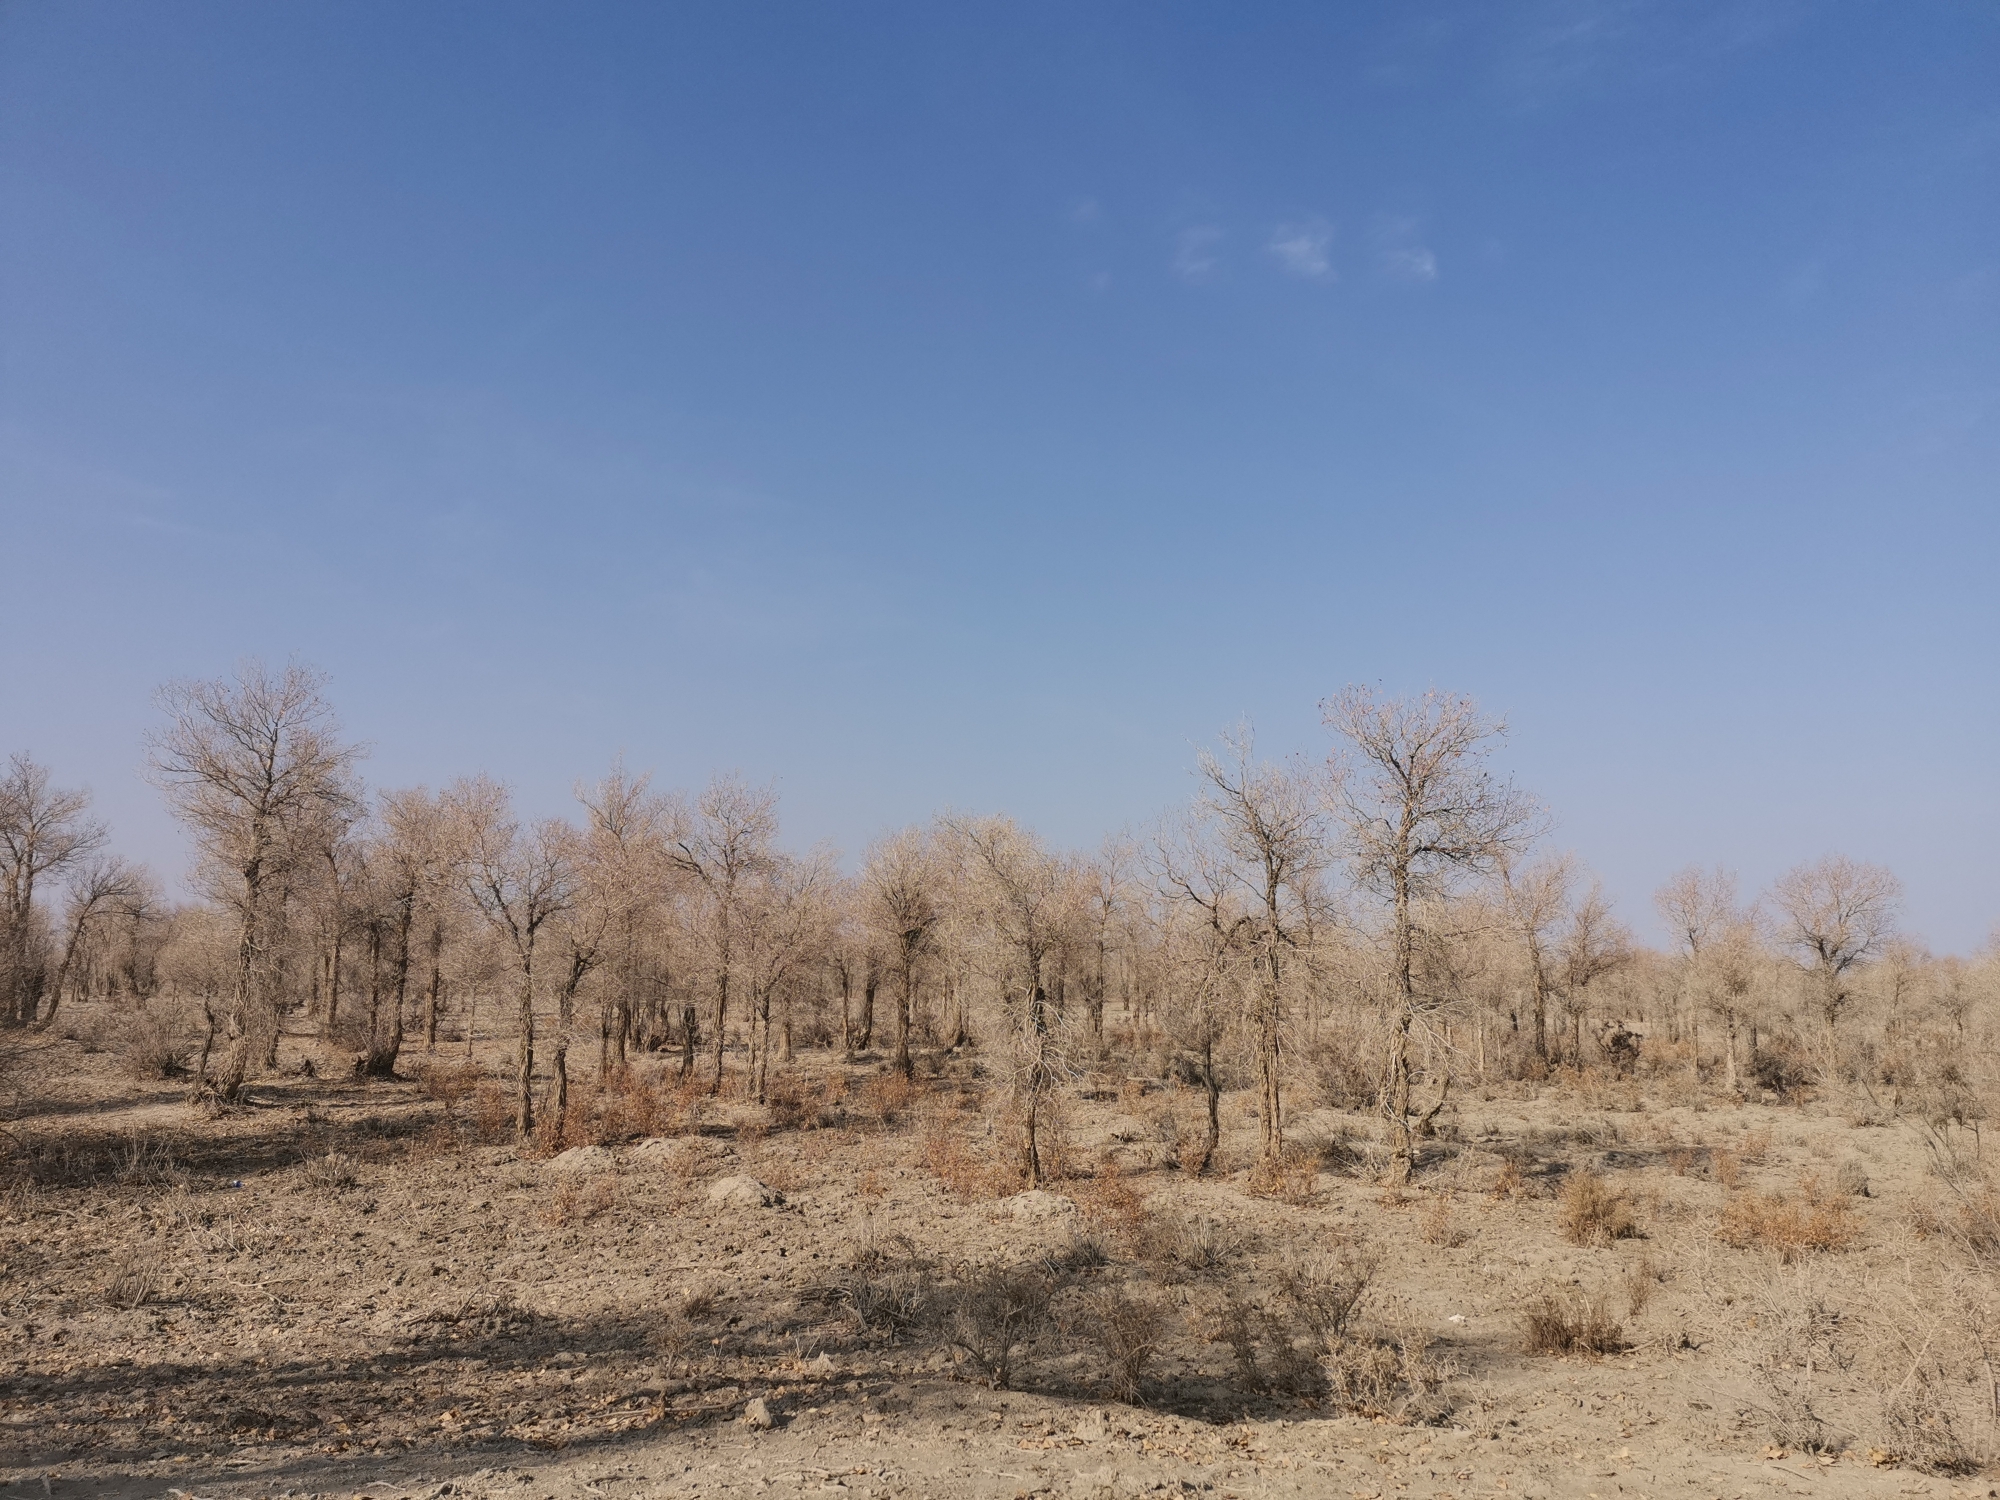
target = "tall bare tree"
x: 1021, y: 891
x: 722, y: 841
x: 1835, y: 914
x: 520, y: 879
x: 1422, y: 813
x: 1266, y: 822
x: 45, y: 833
x: 899, y: 880
x: 255, y: 769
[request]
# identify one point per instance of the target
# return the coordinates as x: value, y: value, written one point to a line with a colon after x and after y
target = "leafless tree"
x: 625, y: 843
x: 1835, y: 913
x: 1203, y: 921
x: 1595, y: 945
x: 1422, y: 812
x: 899, y: 880
x: 1266, y: 822
x: 1536, y: 900
x: 520, y: 879
x: 1715, y: 944
x: 1020, y: 891
x: 255, y: 769
x: 45, y: 832
x: 786, y: 913
x: 722, y: 841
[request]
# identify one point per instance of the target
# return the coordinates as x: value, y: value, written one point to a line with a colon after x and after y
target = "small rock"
x: 757, y: 1415
x: 583, y: 1159
x: 1091, y: 1427
x: 742, y: 1192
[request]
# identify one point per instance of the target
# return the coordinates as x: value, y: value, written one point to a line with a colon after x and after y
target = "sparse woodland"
x: 1340, y: 1093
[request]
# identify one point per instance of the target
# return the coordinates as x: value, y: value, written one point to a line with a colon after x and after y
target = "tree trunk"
x: 524, y: 1109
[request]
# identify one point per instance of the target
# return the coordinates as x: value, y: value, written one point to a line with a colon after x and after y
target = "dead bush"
x: 1791, y: 1228
x: 1798, y: 1343
x: 1267, y: 1353
x: 1392, y: 1373
x: 1851, y: 1178
x: 1438, y: 1226
x: 987, y: 1313
x: 1592, y: 1213
x: 154, y: 1043
x: 969, y: 1175
x: 135, y: 1281
x: 1290, y: 1177
x: 886, y: 1287
x: 492, y: 1113
x: 330, y: 1173
x: 1920, y: 1425
x: 1571, y: 1323
x: 1130, y: 1331
x: 1184, y: 1244
x: 886, y: 1096
x: 801, y: 1101
x: 1323, y: 1291
x: 450, y: 1084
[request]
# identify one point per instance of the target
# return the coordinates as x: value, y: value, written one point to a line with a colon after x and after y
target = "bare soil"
x: 339, y: 1288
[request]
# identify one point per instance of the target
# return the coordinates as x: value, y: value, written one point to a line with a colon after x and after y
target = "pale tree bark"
x: 721, y: 841
x: 44, y: 834
x: 1422, y: 812
x: 1265, y: 820
x: 255, y: 769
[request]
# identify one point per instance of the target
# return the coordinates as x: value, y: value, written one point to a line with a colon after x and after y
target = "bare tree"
x: 899, y: 880
x: 520, y: 879
x: 1267, y: 824
x: 1536, y: 900
x: 1203, y: 922
x: 1835, y: 913
x: 254, y: 768
x: 44, y: 833
x: 786, y: 914
x: 1715, y: 944
x: 1020, y: 890
x: 1595, y: 945
x: 723, y: 840
x: 629, y: 880
x: 1422, y: 812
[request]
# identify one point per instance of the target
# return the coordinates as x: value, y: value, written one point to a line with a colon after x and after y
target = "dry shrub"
x: 1109, y: 1199
x: 1392, y: 1374
x: 330, y: 1173
x: 492, y: 1113
x: 968, y: 1174
x: 1512, y: 1182
x: 1921, y: 1426
x: 801, y: 1101
x: 135, y: 1281
x: 1756, y: 1146
x: 1592, y: 1213
x: 450, y: 1084
x: 1130, y: 1330
x: 1726, y: 1167
x: 577, y: 1202
x: 1798, y: 1342
x: 1292, y: 1176
x: 1267, y: 1355
x: 1439, y: 1227
x: 1323, y: 1291
x: 886, y: 1096
x: 154, y: 1043
x: 1571, y: 1323
x: 1180, y: 1245
x: 1851, y: 1178
x: 987, y: 1313
x: 886, y: 1287
x: 1756, y: 1221
x: 1055, y: 1142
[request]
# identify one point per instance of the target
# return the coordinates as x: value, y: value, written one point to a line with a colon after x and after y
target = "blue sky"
x: 924, y: 405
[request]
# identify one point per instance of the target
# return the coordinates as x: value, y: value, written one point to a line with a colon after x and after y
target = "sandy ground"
x: 200, y: 1305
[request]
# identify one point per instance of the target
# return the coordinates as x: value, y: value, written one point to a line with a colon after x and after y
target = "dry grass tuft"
x: 1571, y: 1324
x: 1130, y: 1330
x: 1592, y: 1213
x: 577, y: 1202
x: 1290, y: 1177
x: 1757, y: 1221
x: 1439, y: 1226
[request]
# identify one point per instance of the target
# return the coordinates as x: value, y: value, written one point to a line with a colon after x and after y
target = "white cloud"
x: 1303, y: 249
x: 1404, y: 257
x: 1413, y: 263
x: 1194, y: 252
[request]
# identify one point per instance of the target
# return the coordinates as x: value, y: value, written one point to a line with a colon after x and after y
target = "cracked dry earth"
x: 215, y: 1314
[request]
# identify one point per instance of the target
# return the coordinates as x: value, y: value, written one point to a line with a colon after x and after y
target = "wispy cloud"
x: 1086, y: 211
x: 1194, y: 252
x: 1402, y: 254
x: 1304, y: 249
